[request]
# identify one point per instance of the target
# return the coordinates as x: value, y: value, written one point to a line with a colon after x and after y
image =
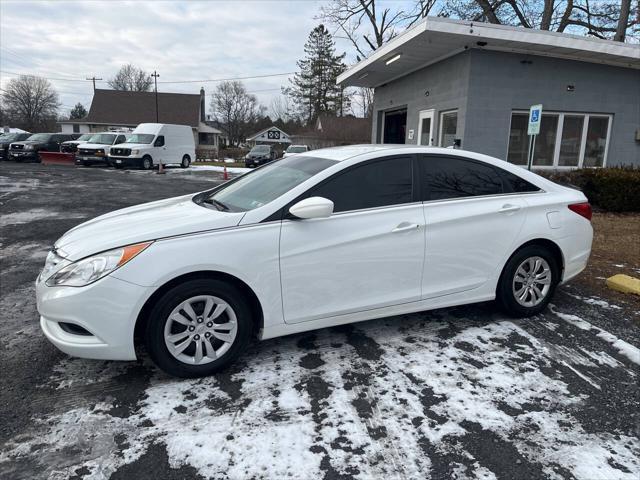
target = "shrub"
x: 614, y: 189
x: 233, y: 152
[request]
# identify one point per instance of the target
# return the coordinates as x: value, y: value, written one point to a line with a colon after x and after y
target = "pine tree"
x: 314, y: 89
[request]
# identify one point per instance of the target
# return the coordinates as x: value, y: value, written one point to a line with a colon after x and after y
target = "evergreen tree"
x: 77, y: 112
x: 314, y: 89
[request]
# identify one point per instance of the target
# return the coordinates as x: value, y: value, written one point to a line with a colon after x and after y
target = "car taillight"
x: 583, y: 209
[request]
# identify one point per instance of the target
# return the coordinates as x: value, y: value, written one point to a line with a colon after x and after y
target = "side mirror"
x: 313, y: 207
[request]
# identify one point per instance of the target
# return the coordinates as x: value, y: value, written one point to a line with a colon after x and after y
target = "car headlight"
x: 135, y: 152
x: 88, y: 270
x: 28, y: 147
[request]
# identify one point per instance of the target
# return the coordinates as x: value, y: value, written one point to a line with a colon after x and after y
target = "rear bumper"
x: 576, y: 250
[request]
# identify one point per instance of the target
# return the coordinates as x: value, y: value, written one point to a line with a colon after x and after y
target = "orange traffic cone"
x: 225, y: 175
x: 161, y: 168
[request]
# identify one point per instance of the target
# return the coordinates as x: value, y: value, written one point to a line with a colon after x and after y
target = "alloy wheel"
x: 200, y: 329
x: 532, y: 281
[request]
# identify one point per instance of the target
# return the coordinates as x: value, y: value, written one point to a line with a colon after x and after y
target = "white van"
x: 152, y: 144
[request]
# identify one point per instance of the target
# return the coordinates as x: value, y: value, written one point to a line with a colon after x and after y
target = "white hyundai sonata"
x: 331, y: 237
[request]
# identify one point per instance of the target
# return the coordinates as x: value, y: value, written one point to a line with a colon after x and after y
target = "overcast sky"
x: 182, y: 40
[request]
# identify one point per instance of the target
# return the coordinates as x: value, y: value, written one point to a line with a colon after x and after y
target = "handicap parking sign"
x: 535, y: 114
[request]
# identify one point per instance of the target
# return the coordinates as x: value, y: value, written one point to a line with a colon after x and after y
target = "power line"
x: 231, y: 78
x: 41, y: 76
x: 94, y: 81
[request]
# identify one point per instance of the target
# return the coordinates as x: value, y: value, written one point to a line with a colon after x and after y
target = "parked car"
x: 307, y: 242
x: 293, y: 149
x: 96, y: 149
x: 152, y: 144
x: 5, y: 141
x: 259, y: 155
x: 71, y: 146
x: 27, y: 150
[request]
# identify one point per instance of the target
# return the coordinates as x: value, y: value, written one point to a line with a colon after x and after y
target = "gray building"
x: 446, y: 82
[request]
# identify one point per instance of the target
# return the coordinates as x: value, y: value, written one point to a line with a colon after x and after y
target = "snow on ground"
x: 407, y: 397
x: 624, y: 348
x: 213, y: 168
x: 35, y: 214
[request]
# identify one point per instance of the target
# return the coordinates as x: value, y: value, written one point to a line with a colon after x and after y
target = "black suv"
x: 39, y: 142
x: 259, y: 155
x: 6, y: 139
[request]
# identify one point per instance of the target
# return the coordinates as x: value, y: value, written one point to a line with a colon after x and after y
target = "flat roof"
x: 434, y: 38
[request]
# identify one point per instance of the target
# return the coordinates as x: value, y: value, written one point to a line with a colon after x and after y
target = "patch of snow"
x: 624, y: 348
x: 214, y: 168
x: 618, y: 265
x: 596, y: 301
x: 33, y: 215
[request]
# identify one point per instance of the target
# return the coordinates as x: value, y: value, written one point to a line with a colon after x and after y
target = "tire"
x: 186, y: 161
x: 197, y: 293
x: 531, y: 295
x: 85, y: 164
x: 147, y: 163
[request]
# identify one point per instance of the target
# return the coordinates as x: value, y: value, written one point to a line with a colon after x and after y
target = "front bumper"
x: 107, y: 310
x: 21, y: 155
x: 255, y: 162
x: 92, y: 159
x: 125, y: 161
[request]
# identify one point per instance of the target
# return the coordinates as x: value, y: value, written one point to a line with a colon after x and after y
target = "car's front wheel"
x: 528, y: 281
x: 198, y: 328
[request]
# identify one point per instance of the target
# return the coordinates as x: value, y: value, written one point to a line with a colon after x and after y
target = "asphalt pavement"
x: 454, y: 393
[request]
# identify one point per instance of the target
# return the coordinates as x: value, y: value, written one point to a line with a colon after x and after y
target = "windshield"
x: 104, y: 138
x: 9, y: 137
x: 265, y: 184
x: 140, y: 138
x: 260, y: 149
x: 296, y: 149
x: 84, y: 137
x: 39, y: 137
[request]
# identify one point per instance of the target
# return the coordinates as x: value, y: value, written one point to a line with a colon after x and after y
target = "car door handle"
x: 406, y: 227
x: 508, y: 207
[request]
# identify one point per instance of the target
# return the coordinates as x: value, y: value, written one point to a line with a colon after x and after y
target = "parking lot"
x: 453, y: 393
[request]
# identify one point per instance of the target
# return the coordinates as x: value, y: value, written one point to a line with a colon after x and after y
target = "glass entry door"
x: 425, y: 127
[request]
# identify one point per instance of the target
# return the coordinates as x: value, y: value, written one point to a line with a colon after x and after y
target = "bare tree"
x: 282, y: 108
x: 30, y: 101
x: 235, y: 109
x: 362, y: 98
x: 368, y: 26
x: 607, y: 19
x: 131, y: 78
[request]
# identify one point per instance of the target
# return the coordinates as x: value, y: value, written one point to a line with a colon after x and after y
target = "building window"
x: 448, y: 128
x: 566, y: 140
x: 76, y: 128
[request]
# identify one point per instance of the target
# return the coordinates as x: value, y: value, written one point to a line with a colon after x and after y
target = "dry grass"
x: 616, y: 241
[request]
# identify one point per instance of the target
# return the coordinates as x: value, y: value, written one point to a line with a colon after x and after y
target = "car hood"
x: 92, y: 146
x: 140, y: 223
x: 24, y: 142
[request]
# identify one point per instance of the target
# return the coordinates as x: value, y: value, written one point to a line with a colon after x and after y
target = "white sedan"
x: 331, y: 237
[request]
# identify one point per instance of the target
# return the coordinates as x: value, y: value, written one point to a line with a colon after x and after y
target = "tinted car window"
x: 451, y: 177
x: 120, y: 139
x: 375, y: 184
x: 515, y: 184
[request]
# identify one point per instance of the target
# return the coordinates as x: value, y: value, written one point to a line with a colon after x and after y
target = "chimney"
x: 202, y: 105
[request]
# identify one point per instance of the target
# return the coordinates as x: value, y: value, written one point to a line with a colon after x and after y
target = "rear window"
x: 445, y: 178
x: 515, y: 184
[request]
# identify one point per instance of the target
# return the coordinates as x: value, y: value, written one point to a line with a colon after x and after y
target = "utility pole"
x: 94, y: 81
x: 155, y: 76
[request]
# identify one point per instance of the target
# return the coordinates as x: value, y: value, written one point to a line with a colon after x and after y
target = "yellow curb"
x: 624, y: 283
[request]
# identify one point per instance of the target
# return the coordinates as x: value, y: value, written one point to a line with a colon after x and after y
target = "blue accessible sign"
x: 535, y: 115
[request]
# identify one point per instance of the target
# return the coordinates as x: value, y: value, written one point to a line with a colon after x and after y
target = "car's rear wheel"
x: 198, y: 328
x: 528, y: 281
x: 147, y: 163
x: 185, y: 161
